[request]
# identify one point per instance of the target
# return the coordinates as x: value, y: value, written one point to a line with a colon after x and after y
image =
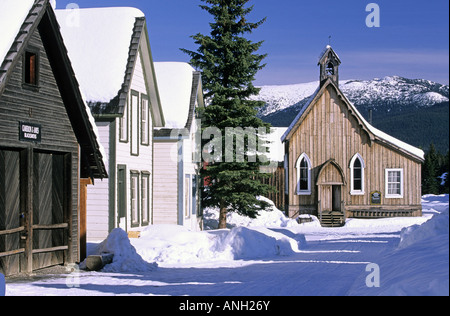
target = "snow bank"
x: 273, y: 217
x: 171, y: 244
x: 174, y: 245
x: 255, y: 243
x: 126, y: 259
x: 436, y: 228
x: 420, y: 264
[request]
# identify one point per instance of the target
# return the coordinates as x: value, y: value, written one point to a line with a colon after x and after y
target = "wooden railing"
x: 10, y: 232
x: 33, y: 251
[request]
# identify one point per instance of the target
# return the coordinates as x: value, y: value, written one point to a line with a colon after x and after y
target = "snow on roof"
x: 98, y: 42
x: 12, y: 16
x: 175, y: 89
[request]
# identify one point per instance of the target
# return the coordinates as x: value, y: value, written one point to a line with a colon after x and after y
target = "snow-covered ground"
x: 270, y: 256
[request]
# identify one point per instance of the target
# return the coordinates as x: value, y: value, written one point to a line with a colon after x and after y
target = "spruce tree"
x: 430, y: 184
x: 229, y: 63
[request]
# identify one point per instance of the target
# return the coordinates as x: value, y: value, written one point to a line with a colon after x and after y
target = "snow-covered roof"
x: 175, y: 90
x: 12, y: 16
x: 376, y: 132
x: 99, y: 39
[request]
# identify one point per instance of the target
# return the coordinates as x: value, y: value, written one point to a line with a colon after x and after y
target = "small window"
x: 123, y: 125
x: 31, y: 68
x: 357, y: 175
x: 134, y: 194
x: 134, y: 121
x: 145, y: 201
x: 303, y: 175
x: 187, y: 196
x: 145, y: 124
x: 394, y: 183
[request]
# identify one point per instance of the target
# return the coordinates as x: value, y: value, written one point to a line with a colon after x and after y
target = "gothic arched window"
x: 357, y: 167
x: 303, y: 175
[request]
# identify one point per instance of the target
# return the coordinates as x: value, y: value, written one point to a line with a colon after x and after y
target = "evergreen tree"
x: 430, y: 184
x: 229, y: 63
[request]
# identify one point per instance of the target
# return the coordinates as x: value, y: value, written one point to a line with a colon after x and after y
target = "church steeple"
x: 329, y: 66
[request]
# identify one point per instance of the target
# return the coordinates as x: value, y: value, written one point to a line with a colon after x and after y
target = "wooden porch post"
x: 83, y: 217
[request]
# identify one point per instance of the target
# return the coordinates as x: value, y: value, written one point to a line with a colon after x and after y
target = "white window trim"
x: 394, y: 196
x: 299, y: 161
x: 352, y: 182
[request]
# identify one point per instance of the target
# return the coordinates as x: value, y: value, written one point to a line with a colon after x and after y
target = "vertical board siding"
x: 165, y: 194
x: 331, y: 131
x: 97, y: 204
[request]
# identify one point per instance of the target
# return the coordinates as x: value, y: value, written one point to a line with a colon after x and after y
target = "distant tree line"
x: 435, y: 172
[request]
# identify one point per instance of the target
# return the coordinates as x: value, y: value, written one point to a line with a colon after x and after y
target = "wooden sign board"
x: 29, y: 132
x: 375, y: 198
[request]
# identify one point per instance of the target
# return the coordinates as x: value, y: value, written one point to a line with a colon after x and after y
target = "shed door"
x: 10, y: 204
x: 50, y: 195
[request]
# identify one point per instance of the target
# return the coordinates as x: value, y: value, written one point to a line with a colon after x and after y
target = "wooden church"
x: 338, y: 166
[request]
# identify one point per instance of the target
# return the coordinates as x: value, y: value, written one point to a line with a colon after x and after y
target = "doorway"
x: 35, y: 208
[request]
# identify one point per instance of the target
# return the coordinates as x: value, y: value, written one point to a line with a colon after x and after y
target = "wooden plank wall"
x: 277, y: 182
x: 330, y: 131
x: 43, y: 106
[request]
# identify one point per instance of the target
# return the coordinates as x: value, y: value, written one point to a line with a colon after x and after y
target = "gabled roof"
x: 325, y: 53
x: 39, y: 15
x: 103, y: 44
x: 373, y: 133
x: 180, y: 88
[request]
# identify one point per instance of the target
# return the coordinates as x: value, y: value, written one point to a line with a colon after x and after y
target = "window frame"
x: 134, y: 199
x: 27, y: 69
x: 402, y: 183
x: 134, y: 130
x: 352, y: 175
x: 145, y: 128
x: 124, y: 120
x: 298, y: 165
x: 145, y: 176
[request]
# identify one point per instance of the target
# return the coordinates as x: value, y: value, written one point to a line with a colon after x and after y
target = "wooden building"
x: 339, y: 166
x: 111, y: 53
x: 47, y: 142
x: 176, y: 165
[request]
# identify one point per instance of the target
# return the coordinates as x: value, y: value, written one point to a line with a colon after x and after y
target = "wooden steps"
x: 332, y: 219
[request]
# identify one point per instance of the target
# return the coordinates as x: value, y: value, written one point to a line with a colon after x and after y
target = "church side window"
x: 357, y: 167
x: 394, y: 183
x: 303, y: 175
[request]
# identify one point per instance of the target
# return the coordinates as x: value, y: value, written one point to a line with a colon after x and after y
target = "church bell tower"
x: 329, y: 66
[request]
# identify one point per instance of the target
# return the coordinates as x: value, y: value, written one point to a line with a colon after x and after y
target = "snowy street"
x: 333, y: 261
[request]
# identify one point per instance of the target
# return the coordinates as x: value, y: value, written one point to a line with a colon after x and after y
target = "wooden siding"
x: 331, y: 131
x: 98, y: 195
x: 165, y: 193
x: 45, y: 107
x: 143, y: 162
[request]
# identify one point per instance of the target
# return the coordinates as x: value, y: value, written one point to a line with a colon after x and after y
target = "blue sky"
x: 412, y: 40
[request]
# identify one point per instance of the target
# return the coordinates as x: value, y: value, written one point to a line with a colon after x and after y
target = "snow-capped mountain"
x: 389, y: 94
x: 415, y: 111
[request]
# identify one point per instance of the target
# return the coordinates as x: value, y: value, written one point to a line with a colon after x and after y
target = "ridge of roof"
x: 377, y: 134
